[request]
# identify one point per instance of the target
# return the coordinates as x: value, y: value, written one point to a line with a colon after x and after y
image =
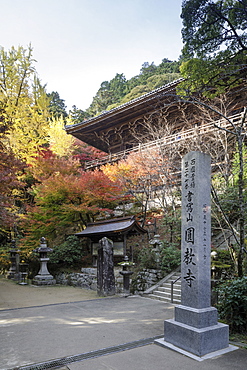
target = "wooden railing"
x: 168, y: 140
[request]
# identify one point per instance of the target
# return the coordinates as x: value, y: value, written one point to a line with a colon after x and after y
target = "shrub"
x: 167, y: 260
x: 170, y: 258
x: 232, y: 304
x: 146, y: 258
x: 69, y: 252
x: 224, y: 263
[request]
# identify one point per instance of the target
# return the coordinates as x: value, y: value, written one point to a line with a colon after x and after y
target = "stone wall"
x: 146, y: 278
x: 87, y: 279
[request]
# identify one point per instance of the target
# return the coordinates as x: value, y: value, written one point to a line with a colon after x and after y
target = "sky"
x: 78, y: 44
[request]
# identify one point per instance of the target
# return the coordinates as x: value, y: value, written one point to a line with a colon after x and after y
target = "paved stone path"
x: 75, y: 329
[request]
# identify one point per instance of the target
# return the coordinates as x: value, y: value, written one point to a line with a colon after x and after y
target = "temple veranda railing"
x: 168, y: 140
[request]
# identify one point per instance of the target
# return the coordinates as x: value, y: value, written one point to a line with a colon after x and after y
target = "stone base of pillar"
x: 44, y: 280
x: 220, y: 352
x: 196, y: 330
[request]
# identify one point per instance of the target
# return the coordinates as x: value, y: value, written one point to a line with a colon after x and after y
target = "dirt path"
x: 13, y: 295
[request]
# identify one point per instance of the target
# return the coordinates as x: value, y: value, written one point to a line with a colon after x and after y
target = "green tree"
x: 155, y: 81
x: 69, y: 253
x: 110, y: 92
x: 168, y: 66
x: 57, y: 107
x: 78, y: 115
x: 101, y: 100
x: 135, y: 93
x: 231, y: 200
x: 215, y: 43
x: 118, y: 88
x: 147, y: 70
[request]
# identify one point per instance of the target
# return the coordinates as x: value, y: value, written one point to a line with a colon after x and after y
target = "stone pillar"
x: 195, y: 328
x: 105, y: 268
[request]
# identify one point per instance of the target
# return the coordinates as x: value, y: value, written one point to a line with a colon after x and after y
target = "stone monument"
x: 105, y: 268
x: 195, y: 328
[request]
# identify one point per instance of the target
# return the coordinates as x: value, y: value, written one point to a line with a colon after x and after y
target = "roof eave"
x: 71, y: 129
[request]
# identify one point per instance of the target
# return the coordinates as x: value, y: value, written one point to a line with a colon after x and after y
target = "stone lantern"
x: 213, y: 267
x: 14, y: 258
x: 156, y: 243
x: 126, y: 274
x: 43, y: 277
x: 23, y: 273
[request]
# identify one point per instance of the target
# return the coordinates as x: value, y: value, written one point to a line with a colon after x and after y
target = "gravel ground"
x: 13, y: 295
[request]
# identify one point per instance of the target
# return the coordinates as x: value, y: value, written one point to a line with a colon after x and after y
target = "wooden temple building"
x: 126, y: 128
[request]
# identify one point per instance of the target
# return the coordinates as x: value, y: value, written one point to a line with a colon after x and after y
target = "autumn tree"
x: 150, y: 173
x: 10, y: 185
x: 52, y: 159
x: 23, y: 103
x: 23, y: 107
x: 47, y: 163
x: 66, y: 202
x: 60, y: 143
x: 135, y: 177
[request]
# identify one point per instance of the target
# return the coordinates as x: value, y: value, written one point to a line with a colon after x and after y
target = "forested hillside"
x: 119, y: 90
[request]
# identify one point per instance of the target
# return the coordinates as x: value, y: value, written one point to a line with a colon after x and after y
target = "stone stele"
x: 105, y: 268
x: 195, y: 327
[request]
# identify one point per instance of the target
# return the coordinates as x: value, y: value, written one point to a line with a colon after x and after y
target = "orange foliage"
x: 66, y: 202
x: 141, y: 166
x: 48, y: 163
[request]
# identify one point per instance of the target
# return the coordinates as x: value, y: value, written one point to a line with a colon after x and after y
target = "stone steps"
x: 162, y: 290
